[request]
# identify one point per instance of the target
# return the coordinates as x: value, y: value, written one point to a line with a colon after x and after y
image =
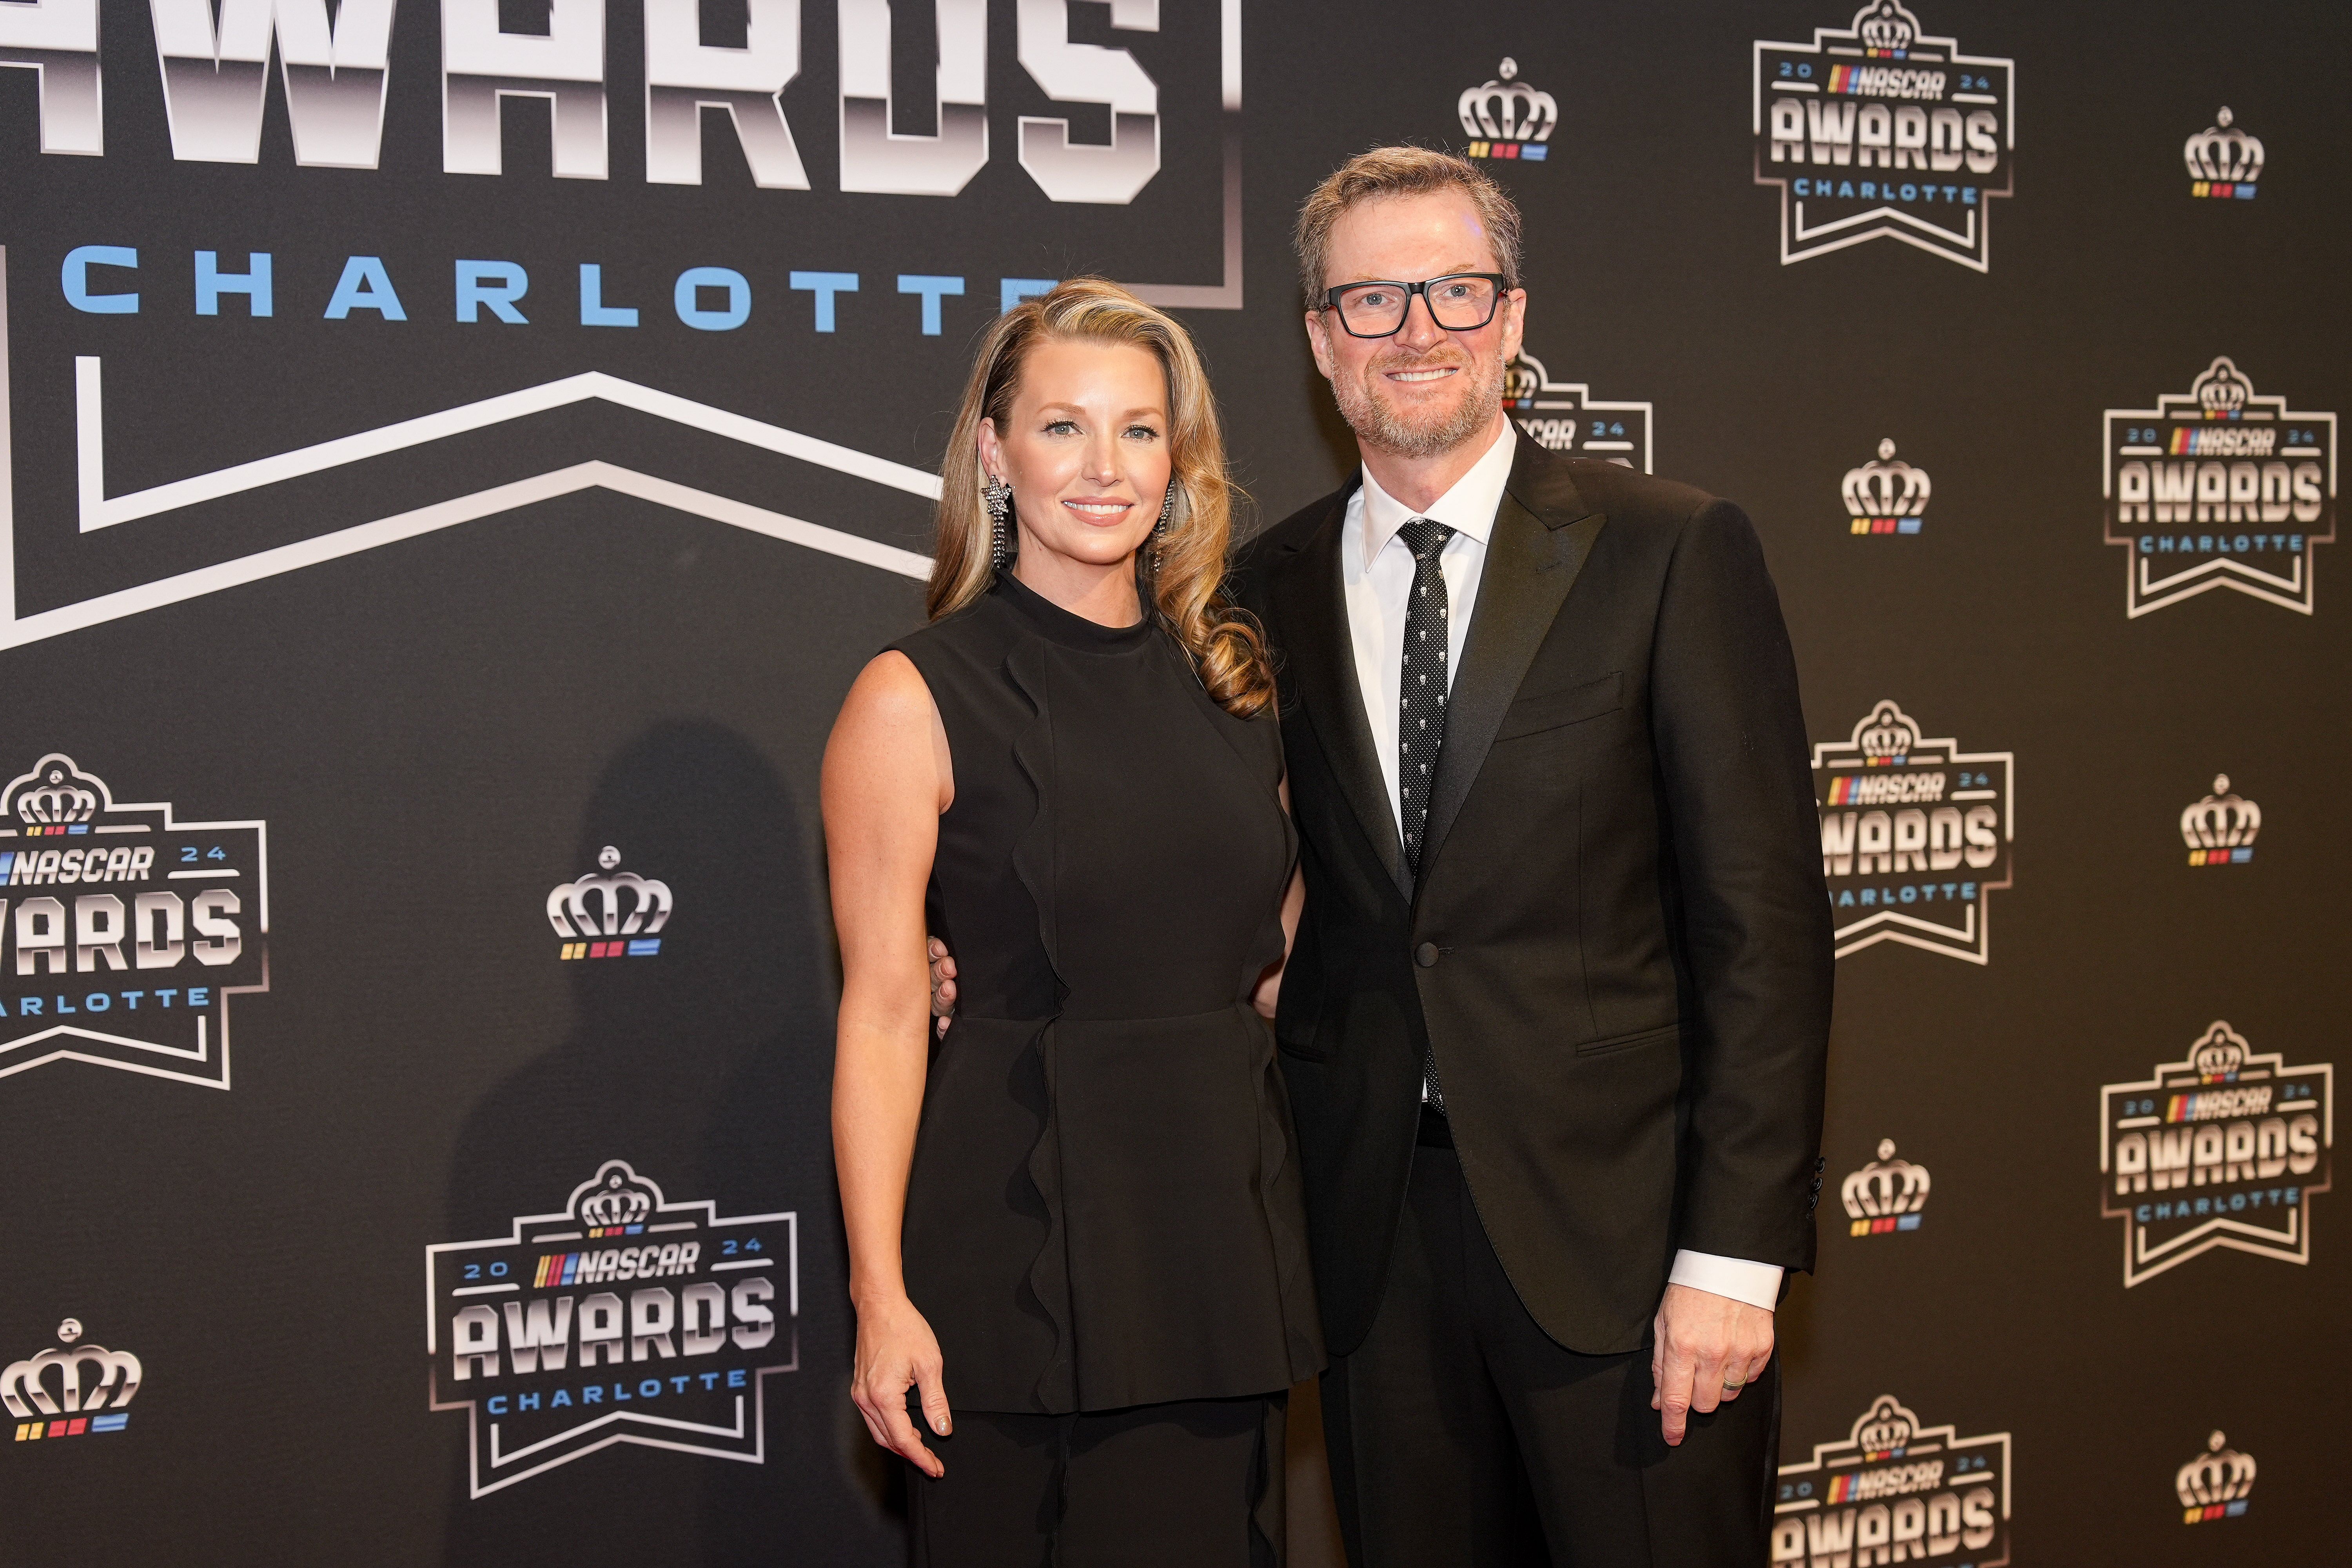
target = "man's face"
x: 1425, y: 390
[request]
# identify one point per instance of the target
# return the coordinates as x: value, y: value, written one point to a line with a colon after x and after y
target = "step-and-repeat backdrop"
x: 458, y: 455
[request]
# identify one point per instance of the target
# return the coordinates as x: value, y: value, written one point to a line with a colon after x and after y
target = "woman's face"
x: 1086, y: 449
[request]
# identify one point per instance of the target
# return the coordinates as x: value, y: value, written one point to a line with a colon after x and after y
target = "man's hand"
x: 1707, y: 1349
x: 943, y: 987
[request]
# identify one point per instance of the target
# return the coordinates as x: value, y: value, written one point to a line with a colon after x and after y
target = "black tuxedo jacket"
x: 1619, y: 941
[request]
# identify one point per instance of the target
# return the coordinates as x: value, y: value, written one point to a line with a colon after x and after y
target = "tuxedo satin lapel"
x: 1531, y: 564
x: 1321, y: 657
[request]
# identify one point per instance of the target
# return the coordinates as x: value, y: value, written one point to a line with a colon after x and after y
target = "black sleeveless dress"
x: 1104, y: 1209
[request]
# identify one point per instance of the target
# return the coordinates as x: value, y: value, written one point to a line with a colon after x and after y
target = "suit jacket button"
x: 1425, y: 954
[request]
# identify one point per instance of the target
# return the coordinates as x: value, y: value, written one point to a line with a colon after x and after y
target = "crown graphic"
x: 2221, y: 390
x: 2222, y: 152
x: 1505, y: 109
x: 1885, y: 26
x: 1885, y: 1425
x: 1887, y: 733
x: 648, y: 902
x: 2220, y: 1049
x: 1886, y: 486
x: 56, y: 793
x: 1886, y: 1186
x: 23, y: 1388
x: 2221, y: 820
x: 2221, y: 1474
x: 616, y: 1196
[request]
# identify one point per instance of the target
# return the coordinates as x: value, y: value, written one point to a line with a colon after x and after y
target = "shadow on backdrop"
x: 707, y: 1067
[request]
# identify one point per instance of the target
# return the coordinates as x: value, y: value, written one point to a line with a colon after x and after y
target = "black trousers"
x: 1190, y: 1485
x: 1460, y: 1433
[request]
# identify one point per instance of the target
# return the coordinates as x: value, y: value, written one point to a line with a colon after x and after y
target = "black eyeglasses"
x: 1459, y: 303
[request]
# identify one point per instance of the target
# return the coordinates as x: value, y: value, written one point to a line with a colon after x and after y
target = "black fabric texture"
x: 1104, y: 1209
x: 1616, y: 936
x: 1195, y: 1484
x: 1461, y: 1433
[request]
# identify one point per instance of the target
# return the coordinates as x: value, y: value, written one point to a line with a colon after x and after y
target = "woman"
x: 1076, y: 1235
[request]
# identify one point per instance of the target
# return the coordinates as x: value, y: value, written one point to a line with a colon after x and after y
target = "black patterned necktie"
x: 1421, y: 707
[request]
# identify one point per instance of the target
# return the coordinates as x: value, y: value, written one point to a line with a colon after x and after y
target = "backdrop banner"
x: 456, y: 455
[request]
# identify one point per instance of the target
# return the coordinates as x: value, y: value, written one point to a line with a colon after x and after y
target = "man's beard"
x: 1381, y: 423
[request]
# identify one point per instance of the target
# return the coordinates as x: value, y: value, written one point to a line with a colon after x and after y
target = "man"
x: 1556, y: 1020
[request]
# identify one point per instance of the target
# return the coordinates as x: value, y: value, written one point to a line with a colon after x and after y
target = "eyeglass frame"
x: 1331, y: 301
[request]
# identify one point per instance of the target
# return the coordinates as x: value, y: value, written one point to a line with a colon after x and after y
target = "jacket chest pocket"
x: 1545, y: 710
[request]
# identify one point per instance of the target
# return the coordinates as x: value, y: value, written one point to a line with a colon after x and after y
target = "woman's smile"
x: 1101, y: 512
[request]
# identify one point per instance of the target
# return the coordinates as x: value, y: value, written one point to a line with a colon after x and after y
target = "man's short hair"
x: 1400, y: 171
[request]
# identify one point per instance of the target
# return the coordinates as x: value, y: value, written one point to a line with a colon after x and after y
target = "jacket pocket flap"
x: 1550, y: 710
x: 1629, y: 1042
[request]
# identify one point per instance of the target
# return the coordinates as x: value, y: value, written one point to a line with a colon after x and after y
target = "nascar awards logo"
x: 2222, y: 1149
x: 609, y: 913
x: 1878, y: 131
x: 94, y: 1387
x: 2219, y: 488
x: 2224, y: 161
x: 1896, y: 1490
x: 1885, y: 1195
x: 621, y: 1317
x: 1506, y: 117
x: 2215, y: 1484
x: 123, y: 930
x: 1886, y: 495
x: 1914, y: 836
x: 1564, y: 416
x: 2220, y: 829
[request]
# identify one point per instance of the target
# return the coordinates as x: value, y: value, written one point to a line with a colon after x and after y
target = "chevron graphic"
x: 98, y: 510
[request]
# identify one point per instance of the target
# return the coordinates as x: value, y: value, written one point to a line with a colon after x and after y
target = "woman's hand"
x: 943, y: 986
x: 1268, y: 995
x: 896, y: 1351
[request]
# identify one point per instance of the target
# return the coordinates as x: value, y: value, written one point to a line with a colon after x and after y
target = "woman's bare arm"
x: 886, y: 780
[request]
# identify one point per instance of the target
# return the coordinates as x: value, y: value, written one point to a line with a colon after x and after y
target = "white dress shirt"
x: 1376, y: 580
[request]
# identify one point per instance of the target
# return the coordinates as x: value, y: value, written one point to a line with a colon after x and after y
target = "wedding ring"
x: 1730, y: 1387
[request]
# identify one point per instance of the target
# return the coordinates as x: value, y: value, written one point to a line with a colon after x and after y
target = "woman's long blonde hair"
x: 1184, y: 590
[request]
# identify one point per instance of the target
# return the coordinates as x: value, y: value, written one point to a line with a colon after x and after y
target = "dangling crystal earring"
x: 998, y: 496
x: 1160, y: 529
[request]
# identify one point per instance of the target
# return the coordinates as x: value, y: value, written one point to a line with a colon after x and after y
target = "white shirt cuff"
x: 1758, y: 1283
